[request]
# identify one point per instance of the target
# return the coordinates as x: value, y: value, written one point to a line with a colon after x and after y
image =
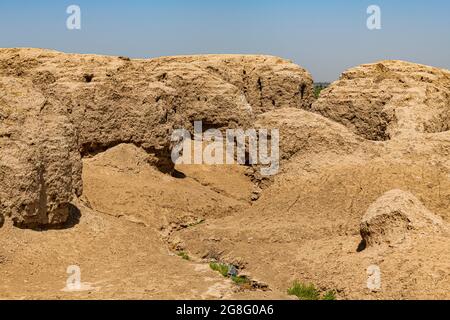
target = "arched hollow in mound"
x: 380, y: 101
x: 57, y: 108
x: 395, y: 216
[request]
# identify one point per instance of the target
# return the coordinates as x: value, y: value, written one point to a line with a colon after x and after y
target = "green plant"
x: 317, y: 91
x: 318, y: 87
x: 220, y: 267
x: 329, y: 295
x: 184, y: 255
x: 304, y: 292
x: 224, y: 270
x: 241, y: 280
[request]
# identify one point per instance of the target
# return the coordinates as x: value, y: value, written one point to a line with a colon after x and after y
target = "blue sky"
x: 326, y: 37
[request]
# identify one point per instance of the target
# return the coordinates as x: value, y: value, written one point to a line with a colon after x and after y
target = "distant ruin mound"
x: 384, y: 100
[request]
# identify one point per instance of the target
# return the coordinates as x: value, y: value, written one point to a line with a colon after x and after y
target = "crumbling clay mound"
x: 306, y: 222
x: 40, y: 163
x: 395, y: 217
x: 388, y: 99
x: 98, y: 130
x: 303, y: 131
x: 57, y: 108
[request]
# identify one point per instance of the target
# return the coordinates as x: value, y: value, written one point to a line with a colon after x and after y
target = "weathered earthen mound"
x: 122, y: 183
x: 395, y: 217
x: 383, y: 100
x: 267, y: 82
x: 40, y: 163
x: 306, y: 132
x: 57, y: 108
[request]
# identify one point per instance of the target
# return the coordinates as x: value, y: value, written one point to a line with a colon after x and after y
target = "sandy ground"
x: 121, y: 253
x: 133, y: 220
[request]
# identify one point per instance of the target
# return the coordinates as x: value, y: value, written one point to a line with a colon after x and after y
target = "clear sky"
x: 326, y: 37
